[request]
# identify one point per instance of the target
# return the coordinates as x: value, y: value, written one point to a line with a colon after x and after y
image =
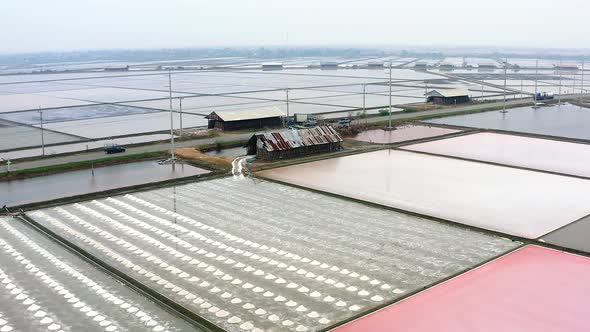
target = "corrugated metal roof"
x: 448, y: 93
x: 291, y: 138
x: 257, y: 113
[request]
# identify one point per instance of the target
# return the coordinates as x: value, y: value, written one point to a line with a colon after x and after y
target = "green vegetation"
x: 80, y: 165
x: 384, y: 112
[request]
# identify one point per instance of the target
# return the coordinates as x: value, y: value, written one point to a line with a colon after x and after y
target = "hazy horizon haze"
x: 66, y: 25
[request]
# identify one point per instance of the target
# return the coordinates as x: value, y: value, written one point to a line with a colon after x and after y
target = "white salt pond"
x: 44, y: 287
x: 125, y: 124
x: 251, y: 255
x: 508, y: 200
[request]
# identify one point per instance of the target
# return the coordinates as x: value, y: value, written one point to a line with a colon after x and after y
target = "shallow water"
x: 43, y: 188
x: 542, y: 154
x: 503, y: 199
x: 401, y: 134
x: 563, y: 121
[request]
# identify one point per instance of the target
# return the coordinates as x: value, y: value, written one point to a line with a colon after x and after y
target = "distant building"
x: 420, y: 65
x: 486, y: 66
x: 329, y: 65
x: 292, y: 143
x: 375, y: 64
x: 117, y: 68
x: 272, y: 66
x: 446, y: 66
x: 569, y: 67
x: 268, y: 117
x: 448, y: 96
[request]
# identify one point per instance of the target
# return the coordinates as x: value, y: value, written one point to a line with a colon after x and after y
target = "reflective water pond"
x: 43, y: 188
x: 564, y: 120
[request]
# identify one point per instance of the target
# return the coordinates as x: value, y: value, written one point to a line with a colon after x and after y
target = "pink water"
x: 532, y: 289
x: 503, y: 199
x: 402, y: 134
x: 542, y: 154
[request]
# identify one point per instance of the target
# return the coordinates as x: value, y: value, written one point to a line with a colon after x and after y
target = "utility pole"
x: 287, y: 94
x: 42, y: 132
x: 364, y: 108
x: 559, y: 98
x: 582, y: 85
x: 536, y: 80
x: 390, y: 65
x: 505, y: 77
x: 574, y: 84
x: 180, y: 101
x: 171, y: 117
x: 425, y: 94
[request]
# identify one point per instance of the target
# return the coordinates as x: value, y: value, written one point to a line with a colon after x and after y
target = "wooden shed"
x: 448, y: 96
x: 267, y: 117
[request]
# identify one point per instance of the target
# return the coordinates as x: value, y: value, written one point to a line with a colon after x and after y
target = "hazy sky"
x: 45, y: 25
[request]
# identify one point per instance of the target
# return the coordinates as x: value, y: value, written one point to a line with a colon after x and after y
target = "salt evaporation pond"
x: 16, y: 136
x: 531, y: 289
x: 25, y: 191
x: 508, y: 200
x: 125, y: 124
x: 564, y: 121
x: 542, y: 154
x: 251, y: 255
x: 401, y: 134
x: 44, y: 287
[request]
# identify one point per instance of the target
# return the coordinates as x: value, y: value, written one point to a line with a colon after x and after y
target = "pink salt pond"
x: 401, y: 134
x: 531, y: 289
x: 542, y: 154
x: 503, y: 199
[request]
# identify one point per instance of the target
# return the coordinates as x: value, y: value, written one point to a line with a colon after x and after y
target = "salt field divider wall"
x: 524, y: 241
x: 128, y: 281
x: 373, y: 148
x: 417, y: 291
x: 506, y: 132
x: 401, y: 148
x: 411, y: 213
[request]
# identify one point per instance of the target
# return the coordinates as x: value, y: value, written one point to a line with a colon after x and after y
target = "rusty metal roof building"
x: 293, y: 142
x: 295, y: 138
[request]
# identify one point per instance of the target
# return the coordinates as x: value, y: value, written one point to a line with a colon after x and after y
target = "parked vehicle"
x: 544, y: 96
x: 113, y: 148
x: 344, y: 123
